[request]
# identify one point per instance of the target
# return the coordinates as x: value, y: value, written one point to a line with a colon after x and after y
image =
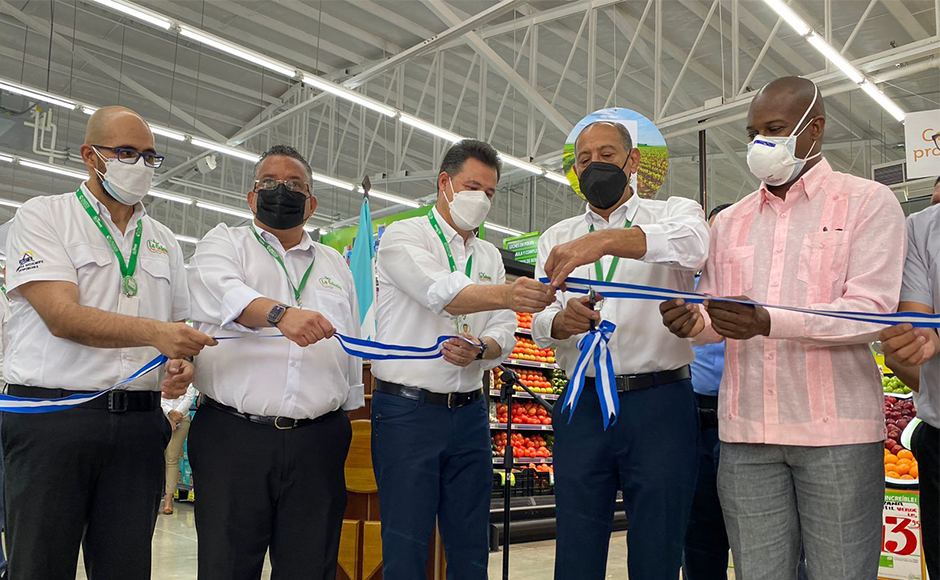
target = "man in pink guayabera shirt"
x: 801, y: 406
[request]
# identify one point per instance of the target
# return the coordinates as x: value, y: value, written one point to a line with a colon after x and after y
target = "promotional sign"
x: 654, y: 160
x: 902, y: 549
x: 342, y: 240
x: 922, y: 143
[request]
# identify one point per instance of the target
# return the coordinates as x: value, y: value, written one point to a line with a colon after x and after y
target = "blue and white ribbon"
x: 358, y: 347
x: 610, y: 290
x: 594, y: 350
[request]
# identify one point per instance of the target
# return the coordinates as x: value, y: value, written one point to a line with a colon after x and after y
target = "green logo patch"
x: 328, y: 283
x: 156, y: 247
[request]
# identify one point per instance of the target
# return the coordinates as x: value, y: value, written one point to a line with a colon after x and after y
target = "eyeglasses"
x: 130, y: 156
x: 292, y: 184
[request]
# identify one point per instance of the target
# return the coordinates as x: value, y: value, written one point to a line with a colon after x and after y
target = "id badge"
x: 463, y: 325
x: 129, y: 305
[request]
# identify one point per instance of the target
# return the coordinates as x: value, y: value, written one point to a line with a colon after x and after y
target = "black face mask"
x: 281, y: 208
x: 603, y: 183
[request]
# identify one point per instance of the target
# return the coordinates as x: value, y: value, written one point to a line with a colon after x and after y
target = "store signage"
x: 902, y: 555
x: 922, y: 143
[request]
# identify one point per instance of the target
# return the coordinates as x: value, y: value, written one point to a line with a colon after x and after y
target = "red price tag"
x: 901, y: 539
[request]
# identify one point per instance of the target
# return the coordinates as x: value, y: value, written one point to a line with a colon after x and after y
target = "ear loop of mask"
x: 803, y: 118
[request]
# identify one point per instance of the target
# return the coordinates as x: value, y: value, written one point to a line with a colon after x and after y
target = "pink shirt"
x: 836, y: 243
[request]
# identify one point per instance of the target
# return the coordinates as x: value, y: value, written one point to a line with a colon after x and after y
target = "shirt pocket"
x: 159, y: 270
x: 335, y: 307
x: 736, y: 270
x: 822, y: 260
x: 89, y: 262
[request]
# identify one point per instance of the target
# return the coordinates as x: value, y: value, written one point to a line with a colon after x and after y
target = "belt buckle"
x: 277, y: 423
x: 117, y: 401
x: 450, y: 400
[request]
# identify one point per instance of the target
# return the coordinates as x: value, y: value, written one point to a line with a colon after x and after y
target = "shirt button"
x: 783, y: 215
x: 779, y: 249
x: 770, y: 357
x: 822, y: 245
x: 775, y: 284
x: 770, y: 391
x: 825, y: 419
x: 730, y: 260
x: 730, y: 416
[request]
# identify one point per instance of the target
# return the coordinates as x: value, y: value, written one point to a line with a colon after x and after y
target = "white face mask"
x: 468, y: 208
x: 773, y: 159
x: 129, y: 184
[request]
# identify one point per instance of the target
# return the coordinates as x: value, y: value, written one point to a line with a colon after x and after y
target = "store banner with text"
x: 922, y: 143
x: 342, y: 240
x: 902, y: 556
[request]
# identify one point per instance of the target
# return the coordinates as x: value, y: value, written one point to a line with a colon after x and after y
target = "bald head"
x: 110, y: 123
x: 791, y: 94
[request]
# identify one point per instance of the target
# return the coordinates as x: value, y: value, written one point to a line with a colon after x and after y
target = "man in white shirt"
x: 430, y: 427
x: 650, y: 452
x: 269, y: 442
x: 85, y: 318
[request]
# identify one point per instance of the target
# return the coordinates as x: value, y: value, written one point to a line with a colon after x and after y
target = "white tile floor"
x: 174, y: 553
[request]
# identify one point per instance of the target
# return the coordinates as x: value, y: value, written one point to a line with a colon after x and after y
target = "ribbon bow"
x: 594, y: 347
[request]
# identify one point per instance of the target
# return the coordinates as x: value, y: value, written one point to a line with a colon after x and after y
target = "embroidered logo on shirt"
x: 27, y: 263
x: 484, y: 277
x: 156, y: 247
x: 328, y: 282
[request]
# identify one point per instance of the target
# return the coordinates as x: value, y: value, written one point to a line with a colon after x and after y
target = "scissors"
x: 592, y: 296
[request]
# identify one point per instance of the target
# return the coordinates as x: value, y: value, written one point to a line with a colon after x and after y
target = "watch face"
x: 274, y: 316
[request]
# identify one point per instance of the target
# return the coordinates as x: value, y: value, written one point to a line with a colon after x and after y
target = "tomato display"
x: 527, y: 350
x: 523, y: 414
x: 530, y: 446
x: 524, y: 320
x: 535, y: 380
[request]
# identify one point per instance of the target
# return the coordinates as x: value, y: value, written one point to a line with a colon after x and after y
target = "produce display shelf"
x: 525, y: 395
x: 522, y: 427
x: 525, y: 331
x: 529, y: 364
x: 523, y: 460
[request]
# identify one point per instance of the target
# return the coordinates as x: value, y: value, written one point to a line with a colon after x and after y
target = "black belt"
x: 627, y: 383
x: 282, y: 423
x: 115, y: 401
x: 451, y: 400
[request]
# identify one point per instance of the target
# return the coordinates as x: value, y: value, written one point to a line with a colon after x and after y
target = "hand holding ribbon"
x: 594, y: 349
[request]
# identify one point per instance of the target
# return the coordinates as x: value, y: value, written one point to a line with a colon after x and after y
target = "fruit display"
x: 902, y: 467
x: 893, y: 385
x: 523, y: 414
x: 559, y: 381
x: 529, y: 446
x: 524, y: 320
x: 526, y: 350
x: 535, y: 380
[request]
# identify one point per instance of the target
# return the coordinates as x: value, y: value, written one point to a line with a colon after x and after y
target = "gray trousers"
x: 829, y: 499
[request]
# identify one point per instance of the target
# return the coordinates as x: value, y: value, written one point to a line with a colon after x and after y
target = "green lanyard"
x: 599, y: 269
x: 450, y: 255
x: 303, y: 281
x: 3, y: 288
x: 128, y: 282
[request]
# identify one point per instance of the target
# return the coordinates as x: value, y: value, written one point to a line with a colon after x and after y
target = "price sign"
x: 901, y: 545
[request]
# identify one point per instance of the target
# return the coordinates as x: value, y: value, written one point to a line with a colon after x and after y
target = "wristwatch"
x: 483, y: 348
x: 277, y: 313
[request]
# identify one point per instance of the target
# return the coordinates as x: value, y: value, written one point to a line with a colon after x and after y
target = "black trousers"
x: 83, y: 477
x: 926, y: 448
x: 259, y: 488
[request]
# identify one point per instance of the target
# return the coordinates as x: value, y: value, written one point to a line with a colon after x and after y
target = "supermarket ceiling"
x: 519, y: 74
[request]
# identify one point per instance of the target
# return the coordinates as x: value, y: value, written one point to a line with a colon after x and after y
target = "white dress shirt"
x: 5, y: 314
x: 182, y: 404
x: 416, y: 284
x: 273, y: 376
x: 677, y: 246
x: 53, y: 239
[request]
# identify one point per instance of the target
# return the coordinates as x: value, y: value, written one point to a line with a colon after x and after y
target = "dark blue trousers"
x: 432, y: 462
x: 651, y: 455
x: 706, y: 541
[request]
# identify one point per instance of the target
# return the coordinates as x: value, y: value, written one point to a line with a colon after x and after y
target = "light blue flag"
x: 362, y: 264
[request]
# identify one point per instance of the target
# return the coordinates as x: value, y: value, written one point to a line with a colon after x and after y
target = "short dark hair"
x: 457, y: 155
x: 284, y: 151
x: 936, y: 182
x: 625, y: 139
x: 718, y: 209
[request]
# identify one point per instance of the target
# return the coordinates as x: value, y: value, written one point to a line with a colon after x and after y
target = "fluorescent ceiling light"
x: 240, y: 153
x: 225, y: 209
x: 883, y: 100
x: 349, y: 95
x: 186, y: 239
x: 137, y: 13
x: 557, y: 177
x: 7, y: 158
x: 833, y: 56
x: 10, y: 203
x: 516, y: 162
x: 334, y: 182
x: 790, y: 17
x: 170, y: 133
x: 89, y: 110
x: 503, y: 229
x: 393, y: 198
x: 171, y: 196
x: 37, y: 95
x: 429, y: 128
x: 237, y: 51
x: 53, y: 169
